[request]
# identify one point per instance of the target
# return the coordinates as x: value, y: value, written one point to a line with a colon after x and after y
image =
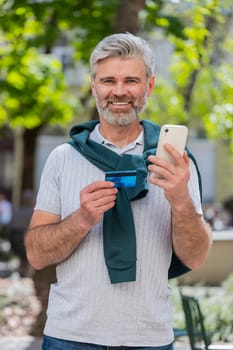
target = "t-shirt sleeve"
x: 194, y: 188
x: 48, y: 197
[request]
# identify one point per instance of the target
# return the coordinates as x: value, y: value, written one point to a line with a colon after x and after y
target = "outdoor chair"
x: 199, y: 338
x: 180, y: 332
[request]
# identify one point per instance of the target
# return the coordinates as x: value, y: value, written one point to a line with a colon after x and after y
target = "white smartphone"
x: 175, y: 135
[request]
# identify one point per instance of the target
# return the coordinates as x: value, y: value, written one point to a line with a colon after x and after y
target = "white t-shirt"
x: 83, y: 305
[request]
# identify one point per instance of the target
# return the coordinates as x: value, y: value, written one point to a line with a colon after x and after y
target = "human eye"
x: 132, y: 80
x: 107, y: 81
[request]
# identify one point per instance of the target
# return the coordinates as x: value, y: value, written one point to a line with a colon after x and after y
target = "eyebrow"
x: 127, y: 77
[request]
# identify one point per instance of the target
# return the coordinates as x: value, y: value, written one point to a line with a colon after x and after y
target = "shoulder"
x: 60, y: 153
x: 149, y: 124
x: 63, y: 159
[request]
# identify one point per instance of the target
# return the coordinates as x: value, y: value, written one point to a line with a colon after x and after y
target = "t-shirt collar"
x: 96, y: 136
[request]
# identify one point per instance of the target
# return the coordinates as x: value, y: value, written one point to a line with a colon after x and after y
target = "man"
x: 113, y: 246
x: 5, y: 210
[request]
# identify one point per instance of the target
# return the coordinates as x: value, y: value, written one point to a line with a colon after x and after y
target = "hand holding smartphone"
x: 176, y: 136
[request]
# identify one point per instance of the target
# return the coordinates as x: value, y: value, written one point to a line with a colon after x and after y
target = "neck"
x: 120, y: 135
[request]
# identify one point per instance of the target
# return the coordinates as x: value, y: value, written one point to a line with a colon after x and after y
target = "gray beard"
x: 120, y: 119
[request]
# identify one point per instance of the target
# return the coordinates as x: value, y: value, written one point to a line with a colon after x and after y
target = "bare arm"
x: 186, y: 223
x: 49, y: 240
x: 191, y: 235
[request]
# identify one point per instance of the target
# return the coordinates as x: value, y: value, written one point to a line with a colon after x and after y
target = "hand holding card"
x: 122, y: 179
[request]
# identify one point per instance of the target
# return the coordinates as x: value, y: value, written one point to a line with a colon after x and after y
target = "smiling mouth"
x: 115, y: 103
x: 120, y: 103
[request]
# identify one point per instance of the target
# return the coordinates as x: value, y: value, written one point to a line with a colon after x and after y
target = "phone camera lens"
x: 166, y: 130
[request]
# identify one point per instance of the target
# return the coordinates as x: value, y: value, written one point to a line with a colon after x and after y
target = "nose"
x: 119, y: 89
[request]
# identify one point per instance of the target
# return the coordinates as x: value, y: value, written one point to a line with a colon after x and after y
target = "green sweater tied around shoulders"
x: 119, y: 240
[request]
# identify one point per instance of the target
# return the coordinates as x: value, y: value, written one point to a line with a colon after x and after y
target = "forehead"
x: 122, y: 67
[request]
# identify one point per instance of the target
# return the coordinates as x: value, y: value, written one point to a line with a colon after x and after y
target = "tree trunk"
x: 18, y: 166
x: 127, y: 19
x: 188, y: 93
x: 29, y: 138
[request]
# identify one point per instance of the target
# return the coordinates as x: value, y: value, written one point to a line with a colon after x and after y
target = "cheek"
x: 141, y: 98
x: 102, y: 93
x: 139, y: 93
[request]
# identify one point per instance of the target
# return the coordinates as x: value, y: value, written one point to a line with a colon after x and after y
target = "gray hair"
x: 123, y: 45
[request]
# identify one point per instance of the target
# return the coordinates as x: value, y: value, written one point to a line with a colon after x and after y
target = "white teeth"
x: 120, y: 103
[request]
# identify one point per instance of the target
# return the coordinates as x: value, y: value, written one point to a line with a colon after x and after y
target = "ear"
x: 151, y: 85
x: 93, y: 87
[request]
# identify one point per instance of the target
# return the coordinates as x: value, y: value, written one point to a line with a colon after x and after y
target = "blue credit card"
x: 122, y: 179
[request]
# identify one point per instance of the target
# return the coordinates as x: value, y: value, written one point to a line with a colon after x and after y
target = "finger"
x: 97, y: 194
x: 162, y: 167
x: 173, y: 153
x: 152, y: 159
x: 97, y: 197
x: 104, y: 200
x: 92, y: 208
x: 160, y: 173
x: 186, y: 158
x: 98, y: 185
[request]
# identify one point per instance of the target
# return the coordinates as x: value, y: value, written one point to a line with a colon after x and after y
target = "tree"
x: 200, y: 89
x: 33, y: 94
x: 31, y: 29
x: 32, y: 81
x: 33, y: 89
